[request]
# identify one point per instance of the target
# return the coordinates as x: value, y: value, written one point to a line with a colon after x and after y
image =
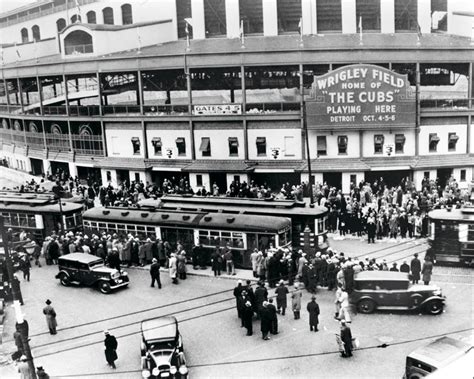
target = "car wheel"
x: 434, y: 307
x: 64, y: 280
x: 104, y: 287
x: 366, y: 306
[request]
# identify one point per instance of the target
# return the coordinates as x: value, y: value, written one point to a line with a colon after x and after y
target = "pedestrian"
x: 40, y: 373
x: 394, y: 267
x: 344, y: 311
x: 415, y: 266
x: 26, y: 267
x: 237, y: 294
x: 404, y: 267
x: 229, y: 260
x: 155, y: 273
x: 247, y: 317
x: 346, y: 338
x: 24, y: 368
x: 111, y: 344
x: 261, y: 295
x: 296, y: 301
x: 114, y: 259
x: 173, y: 268
x: 216, y: 262
x: 18, y: 342
x: 181, y: 258
x: 427, y: 270
x: 313, y: 309
x: 50, y: 314
x: 281, y: 296
x: 253, y: 259
x: 273, y: 316
x: 265, y: 321
x: 36, y: 253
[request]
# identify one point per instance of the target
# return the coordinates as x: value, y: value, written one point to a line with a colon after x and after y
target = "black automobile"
x: 89, y: 270
x: 162, y: 349
x: 393, y: 290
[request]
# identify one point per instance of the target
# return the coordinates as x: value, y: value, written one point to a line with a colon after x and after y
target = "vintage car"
x: 89, y: 270
x: 393, y: 290
x: 162, y: 349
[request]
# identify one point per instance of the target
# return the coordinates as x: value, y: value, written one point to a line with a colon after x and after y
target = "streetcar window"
x: 31, y: 221
x: 93, y: 225
x: 120, y: 227
x: 7, y: 219
x: 86, y: 224
x: 102, y: 227
x: 70, y: 222
x: 284, y: 238
x: 23, y: 220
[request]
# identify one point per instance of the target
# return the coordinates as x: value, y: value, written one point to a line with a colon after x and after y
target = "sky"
x: 8, y: 5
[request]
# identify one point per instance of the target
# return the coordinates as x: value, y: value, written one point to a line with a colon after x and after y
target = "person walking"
x: 296, y: 301
x: 229, y: 260
x: 346, y: 338
x: 313, y: 310
x: 344, y: 303
x: 265, y: 320
x: 247, y: 317
x: 281, y: 297
x: 237, y: 294
x: 182, y: 265
x: 415, y: 266
x: 18, y: 342
x: 273, y: 316
x: 173, y: 268
x: 427, y: 270
x: 26, y: 267
x: 155, y: 273
x: 254, y: 259
x: 50, y: 314
x: 216, y: 262
x: 111, y: 344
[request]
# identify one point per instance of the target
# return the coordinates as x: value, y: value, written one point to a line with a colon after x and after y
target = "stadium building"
x: 223, y: 90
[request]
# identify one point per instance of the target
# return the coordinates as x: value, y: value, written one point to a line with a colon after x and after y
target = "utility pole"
x: 308, y: 158
x: 16, y: 294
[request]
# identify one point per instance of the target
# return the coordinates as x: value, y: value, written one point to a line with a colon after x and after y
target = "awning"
x: 156, y: 141
x: 453, y: 137
x: 378, y: 139
x: 234, y: 141
x: 179, y: 140
x: 205, y: 144
x: 261, y: 140
x: 227, y: 166
x: 390, y: 168
x: 321, y: 143
x: 135, y: 139
x: 434, y: 138
x: 177, y: 169
x: 400, y: 138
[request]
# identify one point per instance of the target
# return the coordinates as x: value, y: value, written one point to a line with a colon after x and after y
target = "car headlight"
x: 116, y: 275
x: 155, y: 371
x: 183, y: 370
x: 437, y: 292
x: 124, y: 273
x: 173, y: 370
x: 146, y: 374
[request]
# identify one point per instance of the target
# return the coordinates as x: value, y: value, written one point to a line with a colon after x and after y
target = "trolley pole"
x: 16, y: 294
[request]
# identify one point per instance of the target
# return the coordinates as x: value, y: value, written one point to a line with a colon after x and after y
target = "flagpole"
x: 186, y: 30
x: 360, y: 31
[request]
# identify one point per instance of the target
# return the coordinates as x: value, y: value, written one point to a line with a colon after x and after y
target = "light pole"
x: 16, y: 294
x: 308, y: 158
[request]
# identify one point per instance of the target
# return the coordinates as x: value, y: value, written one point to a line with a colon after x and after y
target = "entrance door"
x: 123, y: 175
x: 276, y: 181
x: 59, y: 168
x: 443, y: 176
x: 36, y: 166
x: 220, y: 179
x: 333, y: 179
x: 390, y: 178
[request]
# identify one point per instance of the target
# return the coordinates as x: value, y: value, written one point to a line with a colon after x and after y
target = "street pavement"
x: 215, y: 345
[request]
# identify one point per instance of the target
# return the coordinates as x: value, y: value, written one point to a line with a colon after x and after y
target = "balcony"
x: 57, y: 142
x: 166, y: 110
x: 18, y: 137
x: 445, y: 104
x: 79, y: 49
x: 120, y: 110
x: 87, y: 144
x: 35, y: 140
x: 84, y: 110
x: 266, y: 108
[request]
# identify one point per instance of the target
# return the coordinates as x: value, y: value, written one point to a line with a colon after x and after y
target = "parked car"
x: 393, y: 290
x: 89, y: 270
x: 162, y: 349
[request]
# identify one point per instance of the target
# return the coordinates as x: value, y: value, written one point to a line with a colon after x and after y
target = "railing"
x: 84, y: 110
x: 18, y: 137
x: 87, y: 145
x: 4, y: 108
x: 57, y: 141
x: 54, y: 110
x: 121, y: 109
x: 446, y: 104
x: 6, y: 135
x: 166, y: 110
x: 35, y: 140
x: 79, y: 49
x: 265, y: 108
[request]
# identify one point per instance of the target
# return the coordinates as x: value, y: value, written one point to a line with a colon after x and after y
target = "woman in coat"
x: 173, y: 268
x: 296, y: 301
x: 50, y: 314
x: 427, y: 270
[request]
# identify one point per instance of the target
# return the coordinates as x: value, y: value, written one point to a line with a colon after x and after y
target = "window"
x: 127, y: 18
x: 35, y: 31
x: 156, y: 142
x: 426, y: 175
x: 199, y: 180
x: 329, y: 15
x: 378, y: 144
x: 76, y: 18
x: 233, y: 146
x: 181, y: 146
x: 91, y: 17
x: 136, y: 145
x: 368, y: 11
x: 405, y: 15
x: 342, y: 145
x: 251, y: 14
x: 289, y: 146
x: 108, y: 14
x: 353, y: 179
x: 452, y: 141
x: 321, y: 145
x: 261, y: 146
x: 463, y: 176
x: 108, y: 174
x: 439, y: 16
x: 433, y: 143
x: 24, y: 35
x: 205, y: 147
x: 289, y: 15
x: 60, y: 24
x: 115, y: 145
x: 215, y: 17
x: 399, y: 143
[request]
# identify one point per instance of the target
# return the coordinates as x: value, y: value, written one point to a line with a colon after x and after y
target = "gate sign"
x: 361, y: 96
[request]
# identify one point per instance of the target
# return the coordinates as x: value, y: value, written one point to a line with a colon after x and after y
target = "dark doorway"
x: 443, y: 175
x: 276, y: 181
x: 333, y: 179
x: 59, y: 168
x: 36, y: 166
x: 89, y: 174
x: 158, y: 177
x: 220, y: 179
x: 123, y: 175
x: 391, y: 178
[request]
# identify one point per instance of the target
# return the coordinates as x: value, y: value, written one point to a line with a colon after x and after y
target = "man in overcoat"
x: 155, y: 273
x: 50, y: 314
x: 265, y: 320
x: 427, y: 270
x: 111, y: 344
x: 247, y: 317
x: 313, y: 309
x: 346, y: 338
x: 281, y: 295
x: 415, y: 266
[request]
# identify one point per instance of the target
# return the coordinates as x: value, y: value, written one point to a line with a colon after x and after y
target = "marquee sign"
x: 360, y: 96
x: 217, y: 109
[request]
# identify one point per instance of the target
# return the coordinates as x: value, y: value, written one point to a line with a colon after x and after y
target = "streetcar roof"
x: 159, y: 329
x: 80, y: 257
x: 452, y: 215
x: 381, y: 275
x: 48, y: 207
x: 189, y: 219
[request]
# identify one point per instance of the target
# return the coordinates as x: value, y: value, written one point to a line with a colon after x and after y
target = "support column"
x: 99, y: 90
x: 303, y: 115
x: 232, y: 17
x: 197, y: 12
x: 424, y: 15
x: 72, y: 169
x: 417, y: 120
x: 469, y: 118
x: 20, y: 93
x: 40, y: 93
x: 349, y: 22
x: 140, y: 91
x: 6, y: 93
x: 270, y: 17
x: 361, y: 143
x: 387, y: 16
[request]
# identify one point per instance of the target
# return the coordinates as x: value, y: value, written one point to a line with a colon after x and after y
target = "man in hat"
x: 247, y: 317
x: 50, y: 314
x: 346, y: 338
x: 313, y: 309
x: 155, y: 273
x: 237, y: 292
x: 40, y: 373
x: 296, y: 301
x: 265, y: 320
x: 281, y: 295
x: 273, y: 316
x: 405, y: 267
x: 23, y: 368
x: 415, y: 266
x: 111, y: 344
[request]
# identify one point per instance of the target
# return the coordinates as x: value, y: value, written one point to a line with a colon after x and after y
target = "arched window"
x: 108, y: 14
x: 78, y: 42
x: 5, y: 124
x: 56, y: 129
x: 60, y: 24
x: 33, y: 128
x: 76, y: 18
x: 35, y: 30
x: 85, y: 130
x: 127, y: 17
x: 17, y: 126
x: 91, y: 17
x: 24, y: 35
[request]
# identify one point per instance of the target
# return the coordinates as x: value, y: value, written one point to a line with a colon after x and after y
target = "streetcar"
x: 302, y: 217
x: 38, y: 214
x: 451, y: 238
x: 241, y: 233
